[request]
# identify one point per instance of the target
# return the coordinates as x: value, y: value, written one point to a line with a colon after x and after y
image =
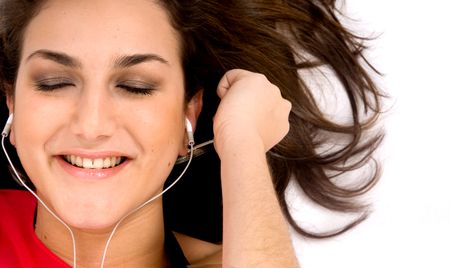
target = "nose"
x: 94, y: 118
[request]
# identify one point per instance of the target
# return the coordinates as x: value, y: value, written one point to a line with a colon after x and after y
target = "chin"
x: 91, y: 220
x: 90, y: 213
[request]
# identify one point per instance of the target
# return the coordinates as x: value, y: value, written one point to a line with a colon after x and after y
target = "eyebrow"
x: 131, y: 60
x: 120, y: 62
x: 57, y: 57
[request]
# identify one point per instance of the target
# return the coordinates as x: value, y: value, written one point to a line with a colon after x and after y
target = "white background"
x: 410, y: 226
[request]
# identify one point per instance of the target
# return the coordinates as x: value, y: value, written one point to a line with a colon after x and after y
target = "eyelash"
x: 53, y: 84
x: 138, y: 90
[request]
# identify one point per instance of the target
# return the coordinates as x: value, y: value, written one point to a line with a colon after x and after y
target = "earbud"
x: 7, y: 127
x: 190, y: 132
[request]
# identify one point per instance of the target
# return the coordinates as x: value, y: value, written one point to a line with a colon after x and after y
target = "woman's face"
x: 99, y: 106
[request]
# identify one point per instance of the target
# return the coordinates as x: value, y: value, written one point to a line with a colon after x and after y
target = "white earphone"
x: 7, y: 127
x: 190, y: 132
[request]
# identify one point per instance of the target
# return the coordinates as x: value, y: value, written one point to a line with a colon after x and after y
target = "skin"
x: 255, y: 232
x: 92, y: 113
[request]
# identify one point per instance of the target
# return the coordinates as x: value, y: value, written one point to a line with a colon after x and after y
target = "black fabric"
x: 174, y: 251
x: 194, y: 205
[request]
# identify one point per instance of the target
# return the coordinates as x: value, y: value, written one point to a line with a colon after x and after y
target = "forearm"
x: 255, y: 231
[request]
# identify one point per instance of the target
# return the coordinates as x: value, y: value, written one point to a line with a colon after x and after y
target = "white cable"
x: 117, y: 224
x: 198, y: 150
x: 42, y: 202
x: 146, y: 203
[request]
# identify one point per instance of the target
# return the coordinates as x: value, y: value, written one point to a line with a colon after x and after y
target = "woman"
x: 104, y: 95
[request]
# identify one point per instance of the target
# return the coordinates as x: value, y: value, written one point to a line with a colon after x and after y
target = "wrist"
x: 238, y: 145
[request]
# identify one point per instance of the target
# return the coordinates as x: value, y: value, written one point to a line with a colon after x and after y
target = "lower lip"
x: 90, y: 174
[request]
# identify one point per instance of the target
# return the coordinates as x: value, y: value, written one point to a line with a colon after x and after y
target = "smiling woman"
x: 106, y: 95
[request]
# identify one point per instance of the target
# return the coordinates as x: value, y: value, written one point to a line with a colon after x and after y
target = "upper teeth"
x: 106, y: 162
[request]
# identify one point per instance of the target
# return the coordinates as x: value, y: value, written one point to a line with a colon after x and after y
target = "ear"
x: 10, y: 104
x: 193, y: 109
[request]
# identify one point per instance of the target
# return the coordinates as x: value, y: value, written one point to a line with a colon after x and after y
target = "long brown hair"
x: 279, y: 39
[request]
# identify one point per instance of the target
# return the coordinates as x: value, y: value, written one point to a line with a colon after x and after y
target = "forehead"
x: 103, y: 27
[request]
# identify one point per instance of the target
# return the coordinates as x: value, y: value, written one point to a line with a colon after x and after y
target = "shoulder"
x: 17, y: 204
x: 15, y: 201
x: 10, y: 194
x: 16, y: 212
x: 19, y: 245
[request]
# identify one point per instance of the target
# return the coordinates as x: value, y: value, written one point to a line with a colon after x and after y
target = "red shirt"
x: 19, y: 245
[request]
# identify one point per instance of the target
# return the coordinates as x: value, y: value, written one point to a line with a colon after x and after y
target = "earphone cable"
x: 191, y: 154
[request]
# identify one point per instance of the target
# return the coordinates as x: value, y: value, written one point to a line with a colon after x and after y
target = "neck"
x: 138, y: 241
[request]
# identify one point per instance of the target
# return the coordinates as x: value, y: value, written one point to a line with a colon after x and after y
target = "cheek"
x: 35, y: 114
x: 160, y: 127
x: 34, y: 122
x: 28, y: 143
x: 160, y: 132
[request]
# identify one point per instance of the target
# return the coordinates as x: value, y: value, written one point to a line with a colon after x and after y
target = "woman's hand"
x: 252, y: 117
x: 252, y: 110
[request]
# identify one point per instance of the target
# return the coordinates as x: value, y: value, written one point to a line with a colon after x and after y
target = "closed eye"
x: 52, y: 84
x: 138, y: 88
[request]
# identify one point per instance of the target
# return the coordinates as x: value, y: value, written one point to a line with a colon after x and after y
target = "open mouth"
x: 96, y: 163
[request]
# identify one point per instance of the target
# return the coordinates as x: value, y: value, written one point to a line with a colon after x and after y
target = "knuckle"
x: 286, y: 130
x: 287, y: 104
x: 261, y: 78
